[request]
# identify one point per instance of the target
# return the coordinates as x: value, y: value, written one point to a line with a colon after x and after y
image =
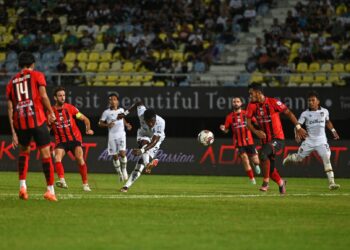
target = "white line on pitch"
x: 4, y: 196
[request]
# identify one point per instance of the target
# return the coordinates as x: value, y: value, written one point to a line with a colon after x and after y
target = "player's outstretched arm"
x: 131, y: 109
x: 223, y: 128
x: 300, y: 132
x: 330, y: 126
x: 86, y: 121
x: 10, y: 114
x: 140, y: 151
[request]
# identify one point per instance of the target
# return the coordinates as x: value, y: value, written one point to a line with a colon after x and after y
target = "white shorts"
x: 153, y: 151
x: 116, y: 144
x: 306, y: 148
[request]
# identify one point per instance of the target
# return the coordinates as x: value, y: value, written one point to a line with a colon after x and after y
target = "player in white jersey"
x: 150, y: 136
x: 316, y: 119
x: 116, y: 135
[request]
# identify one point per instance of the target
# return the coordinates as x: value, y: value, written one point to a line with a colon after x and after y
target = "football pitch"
x: 175, y: 212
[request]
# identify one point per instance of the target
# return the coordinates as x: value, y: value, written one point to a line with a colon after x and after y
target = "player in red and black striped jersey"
x: 26, y: 99
x: 68, y: 137
x: 266, y: 111
x: 242, y: 137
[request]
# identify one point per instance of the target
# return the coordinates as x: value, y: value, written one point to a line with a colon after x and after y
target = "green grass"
x: 175, y: 212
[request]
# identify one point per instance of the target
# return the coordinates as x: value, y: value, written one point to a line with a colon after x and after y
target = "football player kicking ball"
x: 316, y: 119
x: 242, y: 137
x: 116, y: 135
x: 68, y: 137
x: 150, y: 136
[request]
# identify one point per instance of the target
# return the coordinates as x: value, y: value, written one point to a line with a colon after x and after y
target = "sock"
x: 135, y: 175
x: 83, y: 173
x: 250, y: 174
x: 330, y: 175
x: 145, y: 158
x: 48, y: 170
x: 276, y: 177
x: 266, y: 170
x: 116, y: 164
x: 22, y: 183
x: 51, y: 189
x: 23, y: 161
x: 59, y: 170
x: 123, y: 162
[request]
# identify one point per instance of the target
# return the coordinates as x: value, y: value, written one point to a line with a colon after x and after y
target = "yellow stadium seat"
x: 206, y: 44
x: 178, y: 56
x: 110, y: 47
x: 57, y: 38
x: 70, y: 56
x: 116, y: 56
x: 81, y: 28
x: 122, y: 84
x: 100, y: 78
x: 111, y: 83
x: 257, y: 78
x: 338, y: 67
x: 147, y: 84
x: 162, y: 36
x: 138, y: 78
x: 11, y: 12
x: 69, y: 65
x: 326, y: 67
x: 337, y: 47
x: 124, y: 78
x: 292, y: 56
x: 314, y: 67
x: 103, y: 67
x: 2, y: 56
x: 99, y: 47
x: 321, y: 78
x: 83, y: 57
x: 99, y: 38
x: 82, y: 65
x: 295, y: 78
x: 135, y: 84
x: 302, y: 67
x: 2, y: 29
x: 98, y: 84
x: 148, y: 77
x: 190, y: 27
x: 104, y: 28
x: 308, y: 78
x: 106, y: 57
x: 156, y: 55
x: 116, y: 66
x: 159, y: 84
x: 128, y: 66
x: 94, y: 57
x: 112, y: 78
x: 347, y: 67
x: 91, y: 67
x: 333, y: 78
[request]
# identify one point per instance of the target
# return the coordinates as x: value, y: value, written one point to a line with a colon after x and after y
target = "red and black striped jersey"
x: 65, y: 128
x: 23, y: 91
x: 268, y: 117
x: 238, y: 123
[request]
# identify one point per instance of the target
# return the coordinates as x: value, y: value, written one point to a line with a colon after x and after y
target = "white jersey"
x: 315, y: 122
x: 110, y: 115
x: 145, y: 131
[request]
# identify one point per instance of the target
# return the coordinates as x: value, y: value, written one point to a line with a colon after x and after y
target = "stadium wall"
x: 184, y: 156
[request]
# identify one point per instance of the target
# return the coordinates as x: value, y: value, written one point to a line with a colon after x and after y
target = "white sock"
x: 330, y: 175
x: 116, y: 164
x: 22, y: 183
x: 135, y: 175
x: 51, y: 189
x: 62, y: 180
x: 145, y: 158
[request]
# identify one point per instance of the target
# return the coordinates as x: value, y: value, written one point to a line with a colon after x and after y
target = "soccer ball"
x: 206, y: 137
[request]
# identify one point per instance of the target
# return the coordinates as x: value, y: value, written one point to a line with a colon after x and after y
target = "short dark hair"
x: 113, y: 94
x: 313, y: 93
x: 58, y: 89
x: 149, y: 114
x: 25, y: 59
x: 256, y: 86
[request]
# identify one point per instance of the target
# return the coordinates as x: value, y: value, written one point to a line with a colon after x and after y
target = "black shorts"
x: 272, y: 147
x: 41, y: 136
x: 249, y: 150
x: 69, y: 146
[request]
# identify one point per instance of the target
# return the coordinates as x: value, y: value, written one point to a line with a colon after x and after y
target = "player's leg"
x: 265, y: 151
x: 24, y: 137
x: 59, y: 154
x: 42, y: 139
x: 325, y: 153
x: 304, y: 150
x: 123, y: 158
x: 135, y: 174
x: 276, y: 145
x: 254, y: 158
x: 153, y: 161
x: 113, y: 150
x: 79, y: 156
x: 246, y: 165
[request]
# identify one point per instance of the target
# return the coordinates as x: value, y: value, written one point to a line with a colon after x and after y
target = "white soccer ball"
x: 206, y: 137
